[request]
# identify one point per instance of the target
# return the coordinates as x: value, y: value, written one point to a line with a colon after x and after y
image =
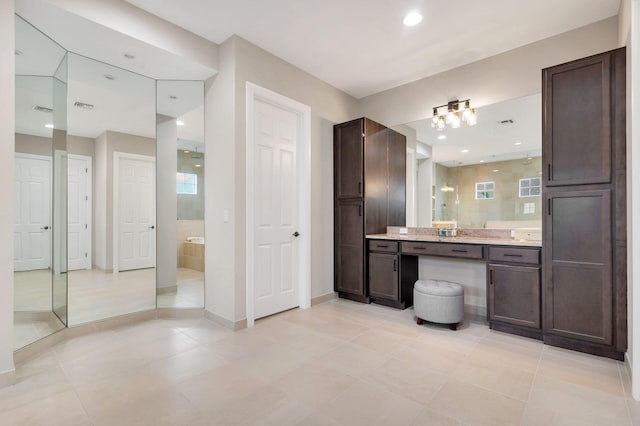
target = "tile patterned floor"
x: 94, y: 295
x: 338, y: 363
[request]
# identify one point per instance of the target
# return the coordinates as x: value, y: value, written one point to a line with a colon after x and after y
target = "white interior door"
x: 136, y: 214
x: 79, y: 212
x: 275, y: 133
x: 32, y: 228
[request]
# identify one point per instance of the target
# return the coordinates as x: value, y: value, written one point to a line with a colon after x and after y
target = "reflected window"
x: 529, y: 187
x: 187, y: 183
x: 485, y: 190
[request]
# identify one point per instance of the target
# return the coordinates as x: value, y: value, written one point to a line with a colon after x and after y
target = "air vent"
x: 42, y: 109
x: 506, y: 122
x: 82, y: 105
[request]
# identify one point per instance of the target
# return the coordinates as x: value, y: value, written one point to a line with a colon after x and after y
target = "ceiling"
x: 362, y: 47
x: 489, y: 140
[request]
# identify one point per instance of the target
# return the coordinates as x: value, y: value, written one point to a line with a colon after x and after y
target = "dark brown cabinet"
x: 369, y: 195
x: 584, y: 217
x: 391, y: 276
x: 514, y: 298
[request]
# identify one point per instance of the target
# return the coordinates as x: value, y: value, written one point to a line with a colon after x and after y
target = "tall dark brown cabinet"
x: 585, y: 237
x: 369, y: 195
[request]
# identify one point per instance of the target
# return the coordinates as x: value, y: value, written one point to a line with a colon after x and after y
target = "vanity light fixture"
x: 412, y: 19
x: 179, y: 123
x: 454, y: 117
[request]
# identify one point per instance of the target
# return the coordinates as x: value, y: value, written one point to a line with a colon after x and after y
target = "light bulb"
x: 441, y: 123
x: 455, y: 121
x: 450, y: 115
x: 472, y: 119
x: 435, y: 118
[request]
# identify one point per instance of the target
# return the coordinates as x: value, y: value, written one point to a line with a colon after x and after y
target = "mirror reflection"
x: 111, y: 191
x: 484, y: 176
x: 39, y: 252
x: 180, y: 134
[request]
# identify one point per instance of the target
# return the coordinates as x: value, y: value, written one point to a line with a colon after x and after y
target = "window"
x: 529, y: 187
x: 187, y: 183
x: 485, y: 190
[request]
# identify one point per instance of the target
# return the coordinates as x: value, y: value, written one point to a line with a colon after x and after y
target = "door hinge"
x: 86, y: 198
x: 85, y: 255
x: 86, y: 170
x: 85, y: 226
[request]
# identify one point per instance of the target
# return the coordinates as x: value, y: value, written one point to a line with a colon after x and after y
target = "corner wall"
x: 240, y: 61
x: 7, y: 128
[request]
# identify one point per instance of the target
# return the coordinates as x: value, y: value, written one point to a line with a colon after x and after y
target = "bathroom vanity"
x: 513, y: 267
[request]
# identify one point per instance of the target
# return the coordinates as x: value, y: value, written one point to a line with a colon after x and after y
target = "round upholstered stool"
x: 438, y: 301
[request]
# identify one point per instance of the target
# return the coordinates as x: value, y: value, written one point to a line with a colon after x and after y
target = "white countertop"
x: 460, y: 240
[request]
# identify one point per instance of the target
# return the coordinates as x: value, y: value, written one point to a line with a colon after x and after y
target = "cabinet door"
x: 577, y: 122
x: 349, y: 247
x: 514, y: 295
x: 397, y: 178
x: 383, y: 276
x: 578, y: 288
x: 376, y: 175
x: 348, y: 159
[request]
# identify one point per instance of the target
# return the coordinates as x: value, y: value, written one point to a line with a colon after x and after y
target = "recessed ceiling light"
x: 442, y: 137
x: 518, y: 143
x: 495, y: 170
x: 198, y: 165
x: 49, y: 126
x: 109, y: 77
x: 412, y: 19
x: 180, y: 123
x: 464, y: 151
x: 186, y: 151
x: 482, y: 161
x: 128, y: 56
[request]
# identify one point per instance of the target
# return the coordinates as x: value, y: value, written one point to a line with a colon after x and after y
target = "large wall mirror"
x: 40, y: 300
x: 97, y: 148
x: 484, y: 176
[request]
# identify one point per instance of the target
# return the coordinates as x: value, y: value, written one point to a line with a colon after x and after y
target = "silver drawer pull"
x: 382, y: 246
x: 512, y: 255
x: 459, y: 251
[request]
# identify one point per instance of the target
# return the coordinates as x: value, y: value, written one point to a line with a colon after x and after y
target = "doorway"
x: 278, y: 204
x: 134, y: 212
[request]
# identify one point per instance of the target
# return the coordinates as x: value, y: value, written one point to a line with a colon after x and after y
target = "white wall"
x: 167, y: 202
x: 7, y: 128
x: 633, y: 193
x: 510, y: 75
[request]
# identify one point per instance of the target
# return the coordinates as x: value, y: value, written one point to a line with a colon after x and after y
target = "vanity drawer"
x: 515, y: 255
x: 383, y: 246
x: 466, y: 251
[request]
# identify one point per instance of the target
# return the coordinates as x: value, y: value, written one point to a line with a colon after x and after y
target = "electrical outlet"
x: 404, y: 230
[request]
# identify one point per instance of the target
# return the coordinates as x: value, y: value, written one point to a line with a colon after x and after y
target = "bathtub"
x: 192, y: 254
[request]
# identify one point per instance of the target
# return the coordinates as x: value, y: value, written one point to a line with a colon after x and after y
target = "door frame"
x: 89, y: 177
x: 50, y: 161
x: 303, y: 193
x: 117, y: 156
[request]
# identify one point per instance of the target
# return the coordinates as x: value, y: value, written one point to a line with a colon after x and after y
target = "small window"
x: 187, y: 183
x: 485, y: 190
x: 529, y: 187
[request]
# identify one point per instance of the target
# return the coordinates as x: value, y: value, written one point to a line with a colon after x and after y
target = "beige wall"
x: 36, y: 145
x: 7, y: 129
x: 510, y: 75
x: 81, y: 146
x: 241, y: 61
x: 506, y: 206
